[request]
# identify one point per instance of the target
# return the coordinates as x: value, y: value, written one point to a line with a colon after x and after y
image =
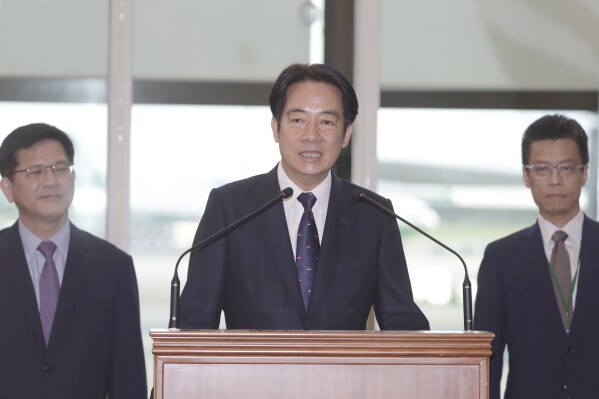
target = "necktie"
x: 49, y: 288
x: 562, y: 277
x: 308, y: 246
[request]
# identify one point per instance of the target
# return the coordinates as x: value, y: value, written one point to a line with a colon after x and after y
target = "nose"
x: 312, y: 132
x: 555, y: 178
x: 49, y: 178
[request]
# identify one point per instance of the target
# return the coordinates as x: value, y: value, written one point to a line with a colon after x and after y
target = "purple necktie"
x: 49, y: 288
x: 308, y: 247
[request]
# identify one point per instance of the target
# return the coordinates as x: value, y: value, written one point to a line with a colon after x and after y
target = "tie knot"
x: 559, y: 236
x: 307, y: 199
x: 47, y: 248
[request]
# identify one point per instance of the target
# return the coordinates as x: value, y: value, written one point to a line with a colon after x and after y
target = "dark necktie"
x: 308, y: 247
x: 49, y: 288
x: 562, y: 277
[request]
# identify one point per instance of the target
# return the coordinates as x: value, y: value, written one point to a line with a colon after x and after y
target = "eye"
x: 36, y: 171
x: 566, y: 168
x: 541, y: 168
x: 61, y: 168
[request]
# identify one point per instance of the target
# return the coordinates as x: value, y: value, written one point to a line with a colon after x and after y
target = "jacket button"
x: 564, y: 388
x: 568, y: 350
x: 45, y: 369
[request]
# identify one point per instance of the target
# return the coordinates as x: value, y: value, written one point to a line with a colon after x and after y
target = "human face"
x: 311, y: 132
x: 556, y: 196
x: 43, y: 204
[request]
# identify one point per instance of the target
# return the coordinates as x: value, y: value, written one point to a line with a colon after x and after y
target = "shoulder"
x: 9, y: 232
x: 87, y: 242
x: 515, y: 238
x: 511, y: 250
x: 351, y: 190
x: 590, y: 224
x: 244, y: 185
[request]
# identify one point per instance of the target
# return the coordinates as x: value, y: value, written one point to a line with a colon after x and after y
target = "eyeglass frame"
x: 28, y: 171
x: 552, y: 167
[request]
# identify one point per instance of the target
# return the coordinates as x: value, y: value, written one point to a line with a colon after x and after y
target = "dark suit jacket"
x: 95, y: 346
x: 251, y: 273
x: 515, y: 300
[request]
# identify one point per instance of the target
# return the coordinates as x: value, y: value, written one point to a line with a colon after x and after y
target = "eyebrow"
x: 326, y: 112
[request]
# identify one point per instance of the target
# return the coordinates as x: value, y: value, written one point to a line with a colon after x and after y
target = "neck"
x: 560, y: 220
x: 44, y: 230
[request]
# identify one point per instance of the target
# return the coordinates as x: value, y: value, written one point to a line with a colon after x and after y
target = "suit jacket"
x: 95, y: 346
x: 515, y: 300
x: 251, y: 274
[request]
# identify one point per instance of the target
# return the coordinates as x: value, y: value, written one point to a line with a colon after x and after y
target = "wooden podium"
x: 254, y: 364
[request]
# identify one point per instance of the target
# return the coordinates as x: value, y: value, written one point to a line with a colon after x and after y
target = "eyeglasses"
x: 545, y: 169
x: 38, y: 172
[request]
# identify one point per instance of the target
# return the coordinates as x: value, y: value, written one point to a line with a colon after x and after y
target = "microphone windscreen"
x: 357, y: 194
x: 287, y: 192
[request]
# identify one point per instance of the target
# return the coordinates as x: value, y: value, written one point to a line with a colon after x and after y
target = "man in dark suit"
x: 69, y: 310
x: 264, y: 274
x: 549, y: 323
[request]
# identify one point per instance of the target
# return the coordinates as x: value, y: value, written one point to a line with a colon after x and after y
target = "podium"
x: 256, y: 364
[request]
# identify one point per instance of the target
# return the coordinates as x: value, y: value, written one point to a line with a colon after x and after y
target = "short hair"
x: 554, y: 127
x: 25, y: 137
x: 319, y: 73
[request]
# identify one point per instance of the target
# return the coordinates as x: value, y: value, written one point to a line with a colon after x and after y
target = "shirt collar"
x: 31, y: 241
x: 322, y: 191
x: 573, y: 228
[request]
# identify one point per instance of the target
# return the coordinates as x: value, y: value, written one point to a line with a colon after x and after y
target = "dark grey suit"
x: 251, y: 273
x: 95, y: 347
x: 516, y: 301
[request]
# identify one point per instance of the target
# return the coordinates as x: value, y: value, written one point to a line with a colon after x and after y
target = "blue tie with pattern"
x: 308, y: 247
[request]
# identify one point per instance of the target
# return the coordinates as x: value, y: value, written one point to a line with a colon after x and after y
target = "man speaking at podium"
x: 317, y: 260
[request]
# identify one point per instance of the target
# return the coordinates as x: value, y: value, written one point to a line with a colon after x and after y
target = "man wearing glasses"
x: 538, y: 289
x: 69, y: 309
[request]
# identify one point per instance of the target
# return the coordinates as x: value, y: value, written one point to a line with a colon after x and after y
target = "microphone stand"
x: 173, y: 323
x: 466, y: 285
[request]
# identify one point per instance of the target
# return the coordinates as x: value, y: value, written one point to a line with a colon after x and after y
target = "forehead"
x: 45, y: 152
x: 554, y: 150
x: 313, y: 94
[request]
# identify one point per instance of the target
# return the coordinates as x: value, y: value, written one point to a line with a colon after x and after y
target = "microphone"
x: 360, y: 195
x: 173, y: 323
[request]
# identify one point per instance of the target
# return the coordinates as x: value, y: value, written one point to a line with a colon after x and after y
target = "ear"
x: 585, y: 175
x: 275, y: 129
x: 6, y: 186
x: 525, y: 177
x: 347, y: 135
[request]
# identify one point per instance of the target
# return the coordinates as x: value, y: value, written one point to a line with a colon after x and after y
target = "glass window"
x: 61, y: 38
x: 231, y: 40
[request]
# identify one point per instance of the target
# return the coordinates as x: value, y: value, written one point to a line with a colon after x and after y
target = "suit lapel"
x: 73, y: 283
x: 272, y: 225
x: 340, y: 219
x: 588, y: 273
x: 14, y: 268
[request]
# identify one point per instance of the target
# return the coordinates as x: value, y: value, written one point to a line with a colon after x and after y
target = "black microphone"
x: 173, y: 323
x: 360, y: 195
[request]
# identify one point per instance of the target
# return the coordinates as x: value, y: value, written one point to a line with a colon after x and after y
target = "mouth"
x: 555, y: 196
x: 311, y: 154
x: 51, y: 196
